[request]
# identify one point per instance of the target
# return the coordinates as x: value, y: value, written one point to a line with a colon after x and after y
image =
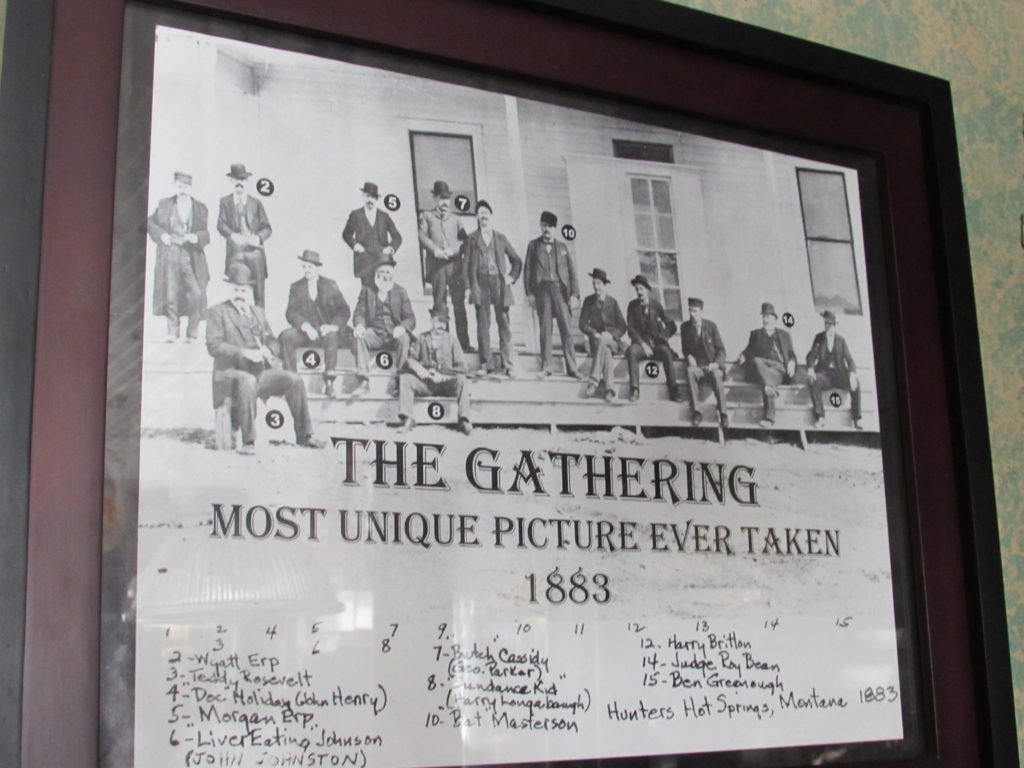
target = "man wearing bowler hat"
x: 436, y: 367
x: 383, y: 321
x: 318, y: 315
x: 704, y: 354
x: 830, y: 366
x: 492, y: 268
x: 243, y: 223
x: 768, y: 360
x: 245, y: 366
x: 371, y: 234
x: 649, y: 327
x: 549, y: 276
x: 441, y: 234
x: 604, y: 326
x: 179, y: 229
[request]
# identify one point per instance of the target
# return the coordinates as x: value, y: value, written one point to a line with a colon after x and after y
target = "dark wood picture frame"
x: 61, y: 97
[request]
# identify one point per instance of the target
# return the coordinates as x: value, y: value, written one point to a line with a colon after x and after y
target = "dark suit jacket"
x: 565, y: 268
x: 651, y: 326
x: 259, y: 224
x: 474, y: 250
x: 158, y: 224
x: 330, y: 306
x: 592, y: 321
x: 707, y: 347
x: 443, y: 354
x: 228, y: 335
x: 818, y: 355
x: 760, y: 344
x: 401, y: 307
x: 374, y: 239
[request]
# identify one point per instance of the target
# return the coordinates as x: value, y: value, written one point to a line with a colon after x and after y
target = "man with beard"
x: 830, y: 366
x: 704, y: 354
x: 436, y: 367
x: 492, y: 267
x: 243, y: 223
x: 383, y: 320
x: 602, y: 322
x: 549, y: 277
x: 371, y: 234
x: 245, y: 366
x: 768, y: 360
x: 179, y: 229
x: 318, y: 315
x: 441, y: 235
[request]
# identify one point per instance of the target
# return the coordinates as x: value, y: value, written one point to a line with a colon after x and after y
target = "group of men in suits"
x: 250, y: 362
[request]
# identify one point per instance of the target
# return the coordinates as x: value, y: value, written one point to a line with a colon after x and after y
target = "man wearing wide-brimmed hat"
x: 492, y: 268
x: 383, y: 321
x: 245, y: 367
x: 549, y: 277
x: 441, y: 234
x: 830, y: 366
x: 436, y: 367
x: 649, y: 327
x: 371, y: 234
x: 768, y: 360
x: 318, y: 315
x: 604, y: 326
x: 179, y: 229
x: 243, y: 223
x: 704, y: 354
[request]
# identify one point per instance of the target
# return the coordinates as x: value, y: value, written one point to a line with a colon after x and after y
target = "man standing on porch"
x: 371, y: 234
x: 243, y: 223
x: 768, y: 360
x: 492, y: 268
x: 602, y: 322
x: 441, y: 235
x: 550, y: 282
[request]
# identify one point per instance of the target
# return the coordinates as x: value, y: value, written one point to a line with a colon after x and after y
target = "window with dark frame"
x: 657, y: 253
x: 828, y: 235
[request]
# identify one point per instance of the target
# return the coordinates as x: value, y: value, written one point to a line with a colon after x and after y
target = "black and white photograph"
x: 541, y: 428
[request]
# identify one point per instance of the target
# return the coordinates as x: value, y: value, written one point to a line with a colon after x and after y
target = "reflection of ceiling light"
x: 233, y: 576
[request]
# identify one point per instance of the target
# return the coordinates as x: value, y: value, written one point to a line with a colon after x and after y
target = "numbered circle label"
x: 311, y: 359
x: 652, y: 369
x: 435, y: 411
x: 265, y: 187
x: 385, y: 360
x: 569, y: 232
x: 788, y: 320
x: 461, y: 203
x: 275, y: 419
x: 836, y: 399
x: 392, y: 203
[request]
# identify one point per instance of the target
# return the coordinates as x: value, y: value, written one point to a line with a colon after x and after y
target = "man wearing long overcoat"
x: 492, y: 268
x: 245, y: 364
x: 243, y: 223
x: 179, y: 228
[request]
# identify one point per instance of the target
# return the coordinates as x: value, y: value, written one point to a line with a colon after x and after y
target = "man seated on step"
x: 318, y: 315
x: 768, y: 360
x: 383, y: 321
x: 704, y: 354
x: 436, y: 367
x: 239, y: 339
x: 604, y: 326
x: 830, y: 366
x: 649, y: 327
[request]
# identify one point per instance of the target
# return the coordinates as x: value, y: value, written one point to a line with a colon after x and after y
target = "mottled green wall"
x: 977, y: 46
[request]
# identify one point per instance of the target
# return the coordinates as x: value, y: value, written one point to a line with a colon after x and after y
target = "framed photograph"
x: 507, y: 385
